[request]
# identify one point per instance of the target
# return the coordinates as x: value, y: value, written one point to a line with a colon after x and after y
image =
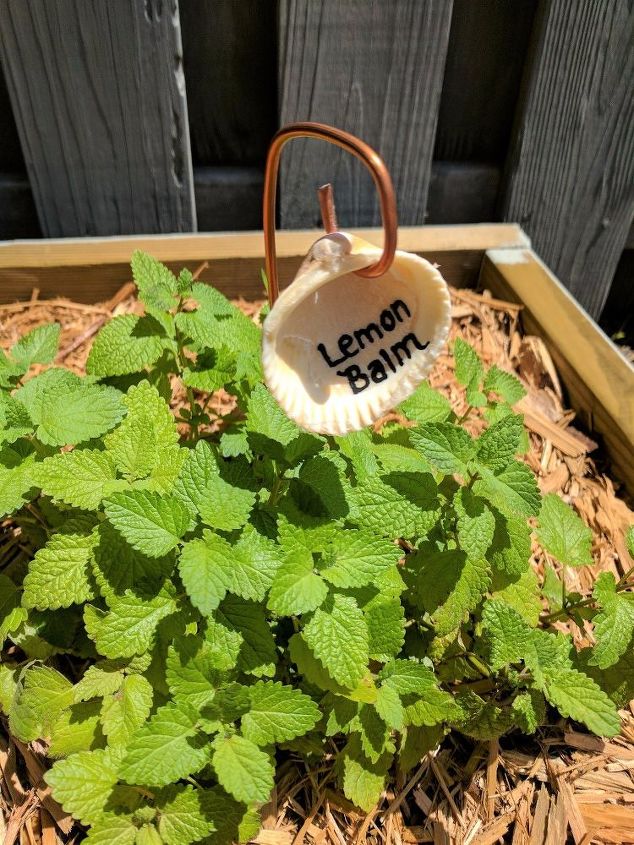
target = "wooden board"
x: 92, y: 269
x: 571, y: 172
x: 229, y: 54
x: 375, y: 69
x: 599, y: 381
x: 98, y: 94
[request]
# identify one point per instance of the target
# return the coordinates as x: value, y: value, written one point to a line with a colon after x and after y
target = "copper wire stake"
x: 327, y: 206
x: 364, y: 153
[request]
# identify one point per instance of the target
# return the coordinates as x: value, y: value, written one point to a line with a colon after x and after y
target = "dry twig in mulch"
x: 559, y: 786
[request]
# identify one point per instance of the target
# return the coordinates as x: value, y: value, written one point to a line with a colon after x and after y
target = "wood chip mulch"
x: 557, y: 787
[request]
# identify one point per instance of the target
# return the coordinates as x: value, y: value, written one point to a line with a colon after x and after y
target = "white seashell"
x: 340, y: 350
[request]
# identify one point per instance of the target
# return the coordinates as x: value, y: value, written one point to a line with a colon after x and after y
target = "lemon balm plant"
x: 192, y: 607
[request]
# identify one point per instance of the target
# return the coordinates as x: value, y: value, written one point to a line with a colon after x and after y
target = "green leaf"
x: 81, y: 478
x: 529, y: 710
x: 146, y: 442
x: 199, y: 467
x: 99, y: 680
x: 16, y: 464
x: 445, y: 445
x: 468, y: 366
x: 129, y: 626
x: 41, y: 695
x: 296, y: 588
x: 358, y: 557
x: 508, y: 635
x: 373, y: 732
x: 83, y: 783
x: 67, y: 410
x: 59, y: 574
x: 311, y: 668
x: 214, y: 369
x: 278, y: 713
x: 39, y: 346
x: 157, y: 285
x: 388, y: 706
x: 150, y: 522
x: 513, y: 491
x: 126, y: 344
x: 475, y: 523
x: 511, y: 545
x: 497, y: 445
x: 15, y: 421
x: 416, y: 744
x: 258, y: 654
x: 426, y: 405
x: 112, y: 829
x: 164, y: 749
x: 577, y: 696
x: 564, y: 534
x: 272, y: 433
x: 76, y: 729
x: 614, y: 624
x: 401, y: 504
x: 451, y: 586
x: 11, y: 614
x: 425, y: 703
x: 481, y: 718
x: 226, y: 506
x: 521, y: 594
x: 205, y: 570
x: 506, y: 385
x: 243, y: 769
x: 127, y: 709
x: 183, y: 816
x: 191, y: 670
x: 338, y: 636
x: 363, y: 781
x: 256, y: 560
x: 385, y: 619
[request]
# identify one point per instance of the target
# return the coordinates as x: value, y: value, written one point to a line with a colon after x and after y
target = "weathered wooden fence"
x: 140, y: 116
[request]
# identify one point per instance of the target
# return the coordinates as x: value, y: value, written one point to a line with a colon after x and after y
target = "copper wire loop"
x: 364, y: 153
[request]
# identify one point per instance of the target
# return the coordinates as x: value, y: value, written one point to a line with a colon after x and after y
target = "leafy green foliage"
x: 188, y: 604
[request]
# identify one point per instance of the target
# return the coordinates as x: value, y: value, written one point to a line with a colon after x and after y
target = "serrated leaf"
x: 76, y: 729
x: 126, y: 344
x: 388, y: 706
x: 564, y: 534
x: 296, y: 588
x: 468, y: 366
x: 11, y: 613
x: 164, y: 749
x: 513, y: 490
x: 358, y: 557
x: 16, y: 485
x: 278, y: 713
x: 507, y: 633
x: 59, y: 574
x: 146, y: 442
x: 271, y: 432
x: 506, y: 385
x: 81, y: 478
x: 39, y: 346
x: 129, y: 626
x: 226, y: 506
x: 205, y: 570
x: 15, y: 421
x: 481, y: 718
x: 157, y: 285
x: 475, y: 523
x: 529, y: 710
x: 191, y: 670
x: 520, y: 593
x: 385, y: 619
x: 324, y: 475
x: 83, y: 783
x: 614, y: 624
x: 242, y: 769
x: 577, y: 696
x: 214, y: 369
x: 450, y: 586
x: 258, y: 654
x: 67, y: 410
x: 41, y: 695
x: 151, y: 523
x: 224, y: 643
x: 511, y: 545
x: 337, y: 634
x: 424, y: 702
x: 98, y: 681
x: 256, y: 561
x: 426, y: 405
x: 112, y: 829
x: 199, y: 466
x: 363, y: 781
x: 416, y: 743
x: 183, y: 816
x: 401, y: 504
x: 497, y: 445
x: 446, y: 446
x: 311, y: 668
x: 373, y: 733
x: 126, y: 709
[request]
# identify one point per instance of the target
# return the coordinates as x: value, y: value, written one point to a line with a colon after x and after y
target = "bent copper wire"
x: 365, y: 154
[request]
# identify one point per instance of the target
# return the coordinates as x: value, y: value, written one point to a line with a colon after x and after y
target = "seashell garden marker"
x: 359, y: 327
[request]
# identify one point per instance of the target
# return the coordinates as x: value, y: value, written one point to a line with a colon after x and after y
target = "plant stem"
x: 465, y: 415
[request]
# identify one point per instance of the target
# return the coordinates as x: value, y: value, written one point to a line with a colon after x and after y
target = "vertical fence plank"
x: 98, y: 93
x: 571, y: 171
x: 375, y: 69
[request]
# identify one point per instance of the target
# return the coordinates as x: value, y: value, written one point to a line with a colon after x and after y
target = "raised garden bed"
x: 578, y: 411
